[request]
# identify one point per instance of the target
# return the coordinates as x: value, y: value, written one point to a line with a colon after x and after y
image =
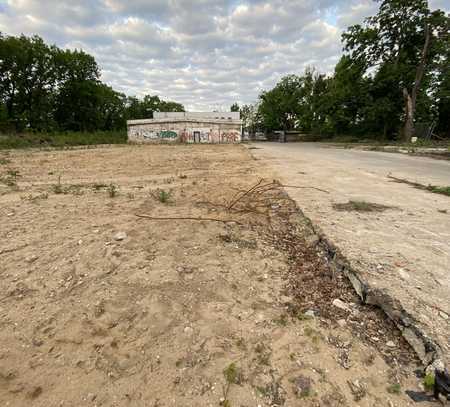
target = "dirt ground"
x: 100, y: 307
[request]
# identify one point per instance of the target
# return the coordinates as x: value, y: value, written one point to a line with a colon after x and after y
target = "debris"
x: 120, y: 236
x: 188, y: 218
x: 341, y: 305
x: 358, y: 389
x: 341, y: 322
x: 310, y: 313
x: 32, y: 258
x: 302, y: 386
x: 390, y: 344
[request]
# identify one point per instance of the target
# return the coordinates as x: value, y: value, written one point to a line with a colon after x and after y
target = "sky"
x: 206, y: 54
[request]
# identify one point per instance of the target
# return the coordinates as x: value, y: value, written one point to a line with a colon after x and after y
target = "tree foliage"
x: 44, y: 88
x: 394, y: 72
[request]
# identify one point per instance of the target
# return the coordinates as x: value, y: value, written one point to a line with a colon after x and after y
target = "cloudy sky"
x: 205, y: 54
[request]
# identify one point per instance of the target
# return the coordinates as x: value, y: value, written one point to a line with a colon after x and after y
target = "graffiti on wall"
x: 188, y: 135
x: 146, y: 134
x: 205, y: 135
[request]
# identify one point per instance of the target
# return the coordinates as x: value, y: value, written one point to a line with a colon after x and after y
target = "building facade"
x: 187, y: 127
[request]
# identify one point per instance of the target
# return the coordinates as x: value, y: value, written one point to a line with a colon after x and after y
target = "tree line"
x: 44, y: 88
x: 392, y: 81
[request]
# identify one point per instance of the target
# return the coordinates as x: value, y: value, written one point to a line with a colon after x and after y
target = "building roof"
x: 184, y: 120
x: 197, y: 115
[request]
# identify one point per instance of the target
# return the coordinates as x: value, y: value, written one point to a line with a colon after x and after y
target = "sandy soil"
x: 100, y: 307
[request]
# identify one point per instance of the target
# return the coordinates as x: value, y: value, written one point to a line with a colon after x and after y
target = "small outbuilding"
x: 187, y: 127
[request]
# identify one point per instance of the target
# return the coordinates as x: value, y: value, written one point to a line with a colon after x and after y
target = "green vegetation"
x: 10, y: 178
x: 394, y: 388
x: 430, y: 188
x: 163, y: 196
x: 113, y: 190
x: 361, y: 206
x: 61, y: 140
x: 51, y: 94
x: 394, y: 74
x: 428, y: 382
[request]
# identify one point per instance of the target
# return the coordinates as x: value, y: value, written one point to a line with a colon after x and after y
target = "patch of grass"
x: 430, y: 188
x: 10, y: 178
x: 59, y: 188
x: 282, y: 320
x: 361, y: 206
x: 99, y: 186
x: 162, y: 195
x: 394, y: 388
x: 428, y: 382
x: 61, y: 139
x: 113, y: 190
x: 439, y: 190
x: 232, y: 374
x: 4, y: 161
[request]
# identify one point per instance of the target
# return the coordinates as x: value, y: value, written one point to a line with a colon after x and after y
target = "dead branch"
x: 188, y: 218
x: 235, y: 201
x: 301, y: 187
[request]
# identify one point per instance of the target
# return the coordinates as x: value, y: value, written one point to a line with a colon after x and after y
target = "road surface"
x: 403, y: 252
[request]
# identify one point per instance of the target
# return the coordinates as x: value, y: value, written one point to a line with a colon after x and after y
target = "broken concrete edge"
x: 428, y: 351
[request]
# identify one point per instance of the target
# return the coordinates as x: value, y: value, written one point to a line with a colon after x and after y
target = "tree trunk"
x: 411, y: 98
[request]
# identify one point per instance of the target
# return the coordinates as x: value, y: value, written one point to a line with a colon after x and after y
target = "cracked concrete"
x: 399, y: 258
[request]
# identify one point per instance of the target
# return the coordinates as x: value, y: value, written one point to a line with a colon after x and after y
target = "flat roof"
x: 197, y: 115
x: 183, y: 120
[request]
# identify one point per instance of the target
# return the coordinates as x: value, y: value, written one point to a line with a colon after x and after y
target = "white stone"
x: 120, y: 236
x: 341, y: 305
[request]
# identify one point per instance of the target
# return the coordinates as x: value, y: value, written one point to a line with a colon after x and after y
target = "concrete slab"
x: 400, y: 255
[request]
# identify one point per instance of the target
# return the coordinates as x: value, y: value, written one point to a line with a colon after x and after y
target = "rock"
x: 188, y: 330
x: 341, y: 305
x: 32, y: 258
x: 390, y: 344
x: 310, y: 313
x: 443, y: 315
x: 120, y: 236
x: 341, y: 322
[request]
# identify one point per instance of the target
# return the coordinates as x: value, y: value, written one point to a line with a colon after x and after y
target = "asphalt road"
x: 403, y: 251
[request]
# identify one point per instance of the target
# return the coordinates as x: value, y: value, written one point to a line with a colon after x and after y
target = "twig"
x: 230, y: 206
x: 299, y: 187
x: 188, y: 218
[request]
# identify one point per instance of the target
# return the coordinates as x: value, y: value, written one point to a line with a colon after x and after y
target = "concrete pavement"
x: 400, y: 257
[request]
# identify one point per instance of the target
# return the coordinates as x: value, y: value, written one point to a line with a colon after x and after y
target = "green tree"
x: 234, y: 107
x: 406, y: 35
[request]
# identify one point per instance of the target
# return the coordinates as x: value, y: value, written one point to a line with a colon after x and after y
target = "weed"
x: 361, y: 206
x: 112, y: 190
x: 130, y: 195
x: 282, y: 320
x: 58, y: 188
x: 394, y: 388
x: 4, y: 161
x: 262, y: 354
x: 99, y: 186
x: 428, y: 382
x: 233, y: 375
x: 439, y: 190
x: 302, y: 386
x: 10, y: 179
x: 430, y: 188
x: 240, y: 343
x: 162, y: 196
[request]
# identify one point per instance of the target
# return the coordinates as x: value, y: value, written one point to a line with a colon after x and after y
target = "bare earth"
x: 177, y: 312
x: 404, y: 250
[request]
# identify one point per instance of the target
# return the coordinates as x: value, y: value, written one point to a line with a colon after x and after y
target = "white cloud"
x: 205, y: 54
